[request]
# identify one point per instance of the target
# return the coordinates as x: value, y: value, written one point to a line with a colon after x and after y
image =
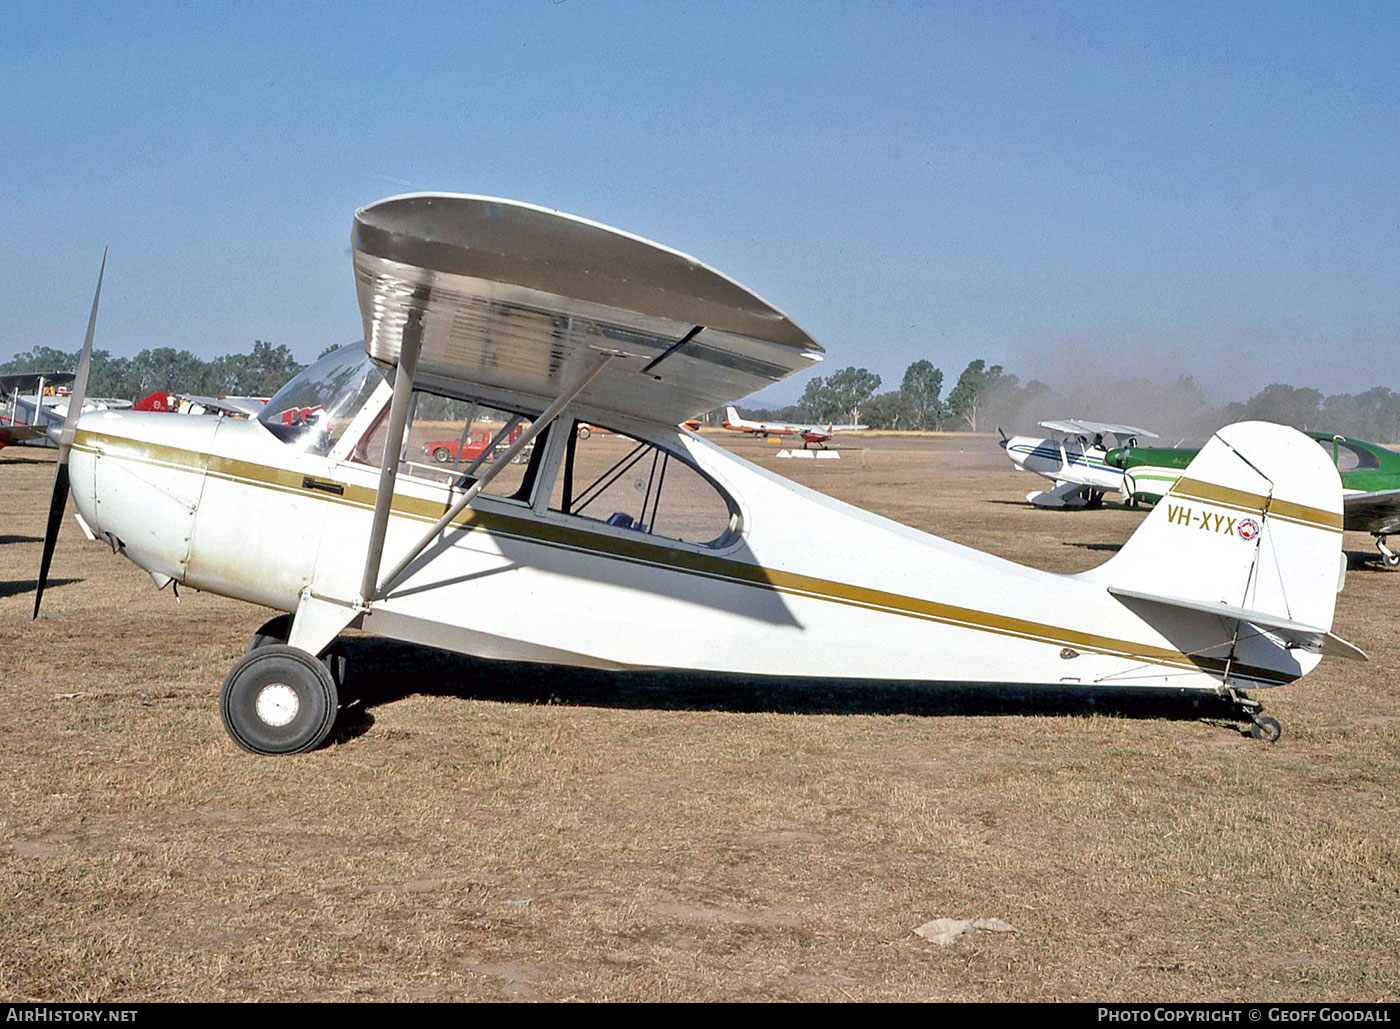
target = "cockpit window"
x: 1347, y: 457
x: 626, y: 483
x: 314, y: 408
x: 449, y: 441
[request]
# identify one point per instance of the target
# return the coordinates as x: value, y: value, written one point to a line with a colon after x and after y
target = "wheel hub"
x: 277, y: 704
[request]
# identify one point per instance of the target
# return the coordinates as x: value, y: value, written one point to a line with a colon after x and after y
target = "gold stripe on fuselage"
x: 658, y: 555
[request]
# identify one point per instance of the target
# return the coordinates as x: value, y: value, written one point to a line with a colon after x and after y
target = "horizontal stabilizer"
x: 1311, y: 638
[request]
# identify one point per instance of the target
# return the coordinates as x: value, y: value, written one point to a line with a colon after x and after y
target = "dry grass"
x: 484, y: 832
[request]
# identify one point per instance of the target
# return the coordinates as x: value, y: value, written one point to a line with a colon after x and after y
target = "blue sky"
x: 1069, y: 189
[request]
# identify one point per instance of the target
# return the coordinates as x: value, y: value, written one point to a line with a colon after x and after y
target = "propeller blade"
x: 58, y: 500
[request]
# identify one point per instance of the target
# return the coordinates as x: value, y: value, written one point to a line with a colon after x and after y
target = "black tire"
x: 441, y: 455
x: 1094, y: 499
x: 279, y: 700
x: 274, y: 630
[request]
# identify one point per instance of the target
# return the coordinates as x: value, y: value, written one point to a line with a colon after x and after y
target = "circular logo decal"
x: 1248, y: 529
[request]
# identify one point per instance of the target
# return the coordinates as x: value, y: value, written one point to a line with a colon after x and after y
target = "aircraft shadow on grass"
x: 16, y: 587
x: 381, y: 671
x: 19, y: 539
x: 1368, y: 560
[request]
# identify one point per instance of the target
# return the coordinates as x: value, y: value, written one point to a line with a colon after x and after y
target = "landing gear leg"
x: 274, y: 630
x: 1388, y: 557
x: 1261, y: 726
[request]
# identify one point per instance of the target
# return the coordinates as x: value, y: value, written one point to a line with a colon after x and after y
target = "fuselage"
x: 1064, y: 460
x: 227, y: 507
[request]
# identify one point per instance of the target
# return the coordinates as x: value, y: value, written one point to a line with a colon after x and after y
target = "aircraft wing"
x: 521, y: 298
x: 248, y: 406
x: 28, y: 382
x: 19, y: 433
x: 1076, y: 427
x: 1377, y: 512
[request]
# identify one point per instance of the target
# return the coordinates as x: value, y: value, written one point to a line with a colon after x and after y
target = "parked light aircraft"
x: 33, y: 406
x: 24, y: 416
x: 649, y: 547
x: 1370, y: 476
x: 810, y: 433
x: 1073, y: 460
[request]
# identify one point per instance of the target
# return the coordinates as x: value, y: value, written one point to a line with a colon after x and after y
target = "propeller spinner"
x: 59, y: 499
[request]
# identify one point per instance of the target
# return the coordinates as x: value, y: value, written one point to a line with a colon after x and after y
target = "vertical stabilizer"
x: 1254, y: 525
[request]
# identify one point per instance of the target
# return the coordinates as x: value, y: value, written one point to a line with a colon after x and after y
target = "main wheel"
x: 279, y: 700
x: 441, y: 454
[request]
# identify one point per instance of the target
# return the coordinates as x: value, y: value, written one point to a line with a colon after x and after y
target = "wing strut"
x: 393, y: 448
x: 672, y: 349
x: 489, y: 473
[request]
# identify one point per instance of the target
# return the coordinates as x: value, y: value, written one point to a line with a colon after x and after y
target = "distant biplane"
x: 649, y: 547
x: 1073, y: 459
x: 34, y: 404
x: 24, y: 413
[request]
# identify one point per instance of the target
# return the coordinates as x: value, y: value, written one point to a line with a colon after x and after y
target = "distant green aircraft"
x: 1370, y: 481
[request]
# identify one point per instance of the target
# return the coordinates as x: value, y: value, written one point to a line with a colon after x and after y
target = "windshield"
x: 316, y: 406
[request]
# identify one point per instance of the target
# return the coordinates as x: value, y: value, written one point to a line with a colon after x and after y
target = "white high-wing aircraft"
x: 810, y: 433
x: 648, y: 547
x: 1073, y: 460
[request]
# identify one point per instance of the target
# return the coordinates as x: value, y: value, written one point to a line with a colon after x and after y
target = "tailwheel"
x: 279, y: 700
x: 1260, y: 726
x: 1266, y: 728
x: 1389, y: 558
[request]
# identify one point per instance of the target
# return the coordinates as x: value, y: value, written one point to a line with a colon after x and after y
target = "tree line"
x: 987, y: 396
x: 258, y: 373
x: 981, y: 395
x: 984, y: 396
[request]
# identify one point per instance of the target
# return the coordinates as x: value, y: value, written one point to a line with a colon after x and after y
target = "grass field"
x: 479, y: 831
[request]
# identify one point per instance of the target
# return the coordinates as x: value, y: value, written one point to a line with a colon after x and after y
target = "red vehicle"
x: 469, y: 449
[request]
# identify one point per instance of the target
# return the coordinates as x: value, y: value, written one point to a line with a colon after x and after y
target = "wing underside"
x: 1377, y: 512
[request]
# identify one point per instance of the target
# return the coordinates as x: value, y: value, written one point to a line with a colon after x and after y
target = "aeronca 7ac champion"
x: 647, y: 547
